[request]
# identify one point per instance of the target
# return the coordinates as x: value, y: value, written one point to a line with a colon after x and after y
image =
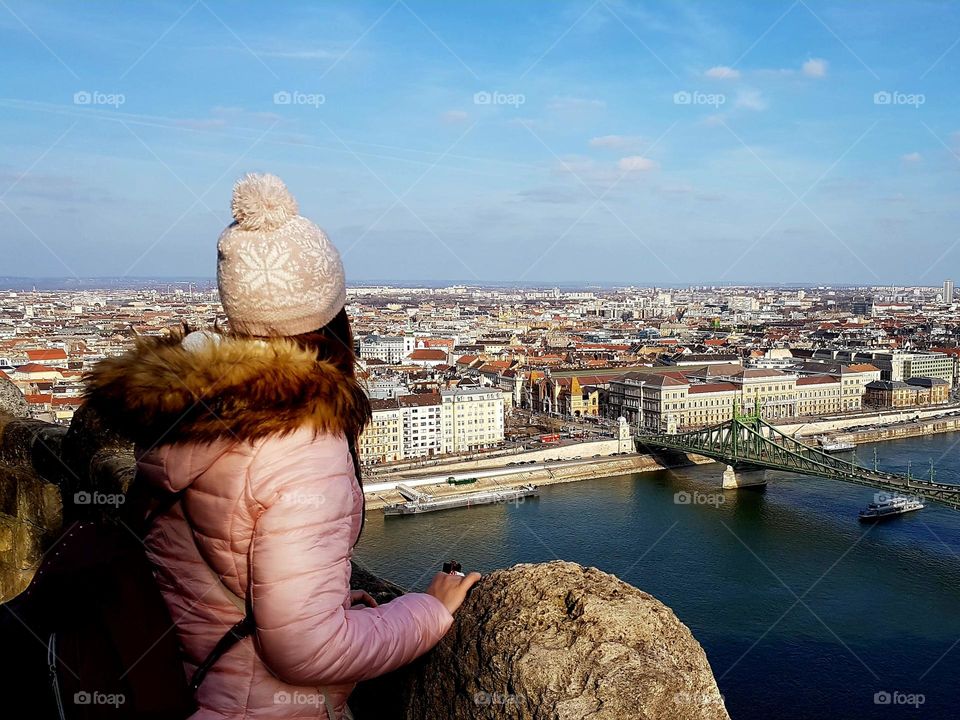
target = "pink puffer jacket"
x: 271, y: 517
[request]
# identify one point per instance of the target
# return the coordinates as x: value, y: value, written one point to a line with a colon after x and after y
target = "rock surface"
x: 30, y: 507
x: 12, y: 401
x: 555, y: 641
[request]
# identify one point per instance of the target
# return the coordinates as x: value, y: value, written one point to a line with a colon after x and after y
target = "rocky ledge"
x: 554, y: 641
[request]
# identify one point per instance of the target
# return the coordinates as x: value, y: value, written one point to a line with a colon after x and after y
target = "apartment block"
x: 389, y: 348
x: 472, y: 418
x: 382, y: 440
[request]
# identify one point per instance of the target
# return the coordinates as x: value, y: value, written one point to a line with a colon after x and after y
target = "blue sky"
x: 610, y: 141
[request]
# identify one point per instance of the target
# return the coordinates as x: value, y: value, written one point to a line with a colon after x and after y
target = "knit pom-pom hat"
x: 278, y: 273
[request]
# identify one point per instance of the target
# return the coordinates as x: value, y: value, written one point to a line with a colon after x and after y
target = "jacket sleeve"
x: 300, y: 582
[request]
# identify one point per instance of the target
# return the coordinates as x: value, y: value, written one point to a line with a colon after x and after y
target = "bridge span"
x: 747, y: 442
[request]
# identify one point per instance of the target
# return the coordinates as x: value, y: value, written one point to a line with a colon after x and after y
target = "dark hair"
x: 333, y: 343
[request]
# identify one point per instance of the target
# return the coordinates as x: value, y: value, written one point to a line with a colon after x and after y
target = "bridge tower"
x: 740, y: 476
x: 624, y: 436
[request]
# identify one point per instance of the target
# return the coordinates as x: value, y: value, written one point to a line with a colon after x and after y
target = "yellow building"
x: 382, y: 439
x: 710, y: 404
x: 821, y: 394
x: 472, y: 419
x: 772, y: 390
x: 584, y: 401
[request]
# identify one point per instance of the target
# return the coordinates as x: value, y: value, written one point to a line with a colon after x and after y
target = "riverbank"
x: 900, y: 430
x: 542, y: 475
x: 492, y: 473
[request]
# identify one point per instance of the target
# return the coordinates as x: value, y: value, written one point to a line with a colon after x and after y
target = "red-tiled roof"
x: 759, y: 373
x: 37, y: 355
x: 712, y: 387
x: 665, y: 380
x: 35, y: 367
x: 817, y: 380
x: 437, y: 342
x: 427, y: 354
x: 419, y: 399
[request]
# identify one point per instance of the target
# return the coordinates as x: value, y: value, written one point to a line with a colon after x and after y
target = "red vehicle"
x: 549, y: 438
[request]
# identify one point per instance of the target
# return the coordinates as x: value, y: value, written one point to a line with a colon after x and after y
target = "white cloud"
x: 913, y: 157
x: 750, y: 99
x: 454, y: 117
x: 722, y: 72
x: 615, y: 142
x: 815, y: 68
x: 636, y: 163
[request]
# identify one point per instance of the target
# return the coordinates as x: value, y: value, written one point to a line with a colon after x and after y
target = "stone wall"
x: 30, y: 507
x: 533, y: 642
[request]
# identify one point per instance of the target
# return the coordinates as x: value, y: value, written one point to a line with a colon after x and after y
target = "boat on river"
x: 888, y: 508
x: 427, y: 503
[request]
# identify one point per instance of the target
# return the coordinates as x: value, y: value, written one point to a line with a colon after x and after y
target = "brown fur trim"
x: 246, y: 388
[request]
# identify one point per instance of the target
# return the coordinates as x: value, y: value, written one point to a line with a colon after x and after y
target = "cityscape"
x: 662, y: 358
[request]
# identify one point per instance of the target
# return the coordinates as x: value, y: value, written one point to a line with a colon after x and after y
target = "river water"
x: 803, y: 612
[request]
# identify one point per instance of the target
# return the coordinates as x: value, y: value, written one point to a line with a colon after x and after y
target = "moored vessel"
x: 837, y: 446
x: 430, y: 504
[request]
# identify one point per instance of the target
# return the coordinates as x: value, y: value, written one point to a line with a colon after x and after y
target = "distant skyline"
x: 609, y: 142
x: 25, y: 284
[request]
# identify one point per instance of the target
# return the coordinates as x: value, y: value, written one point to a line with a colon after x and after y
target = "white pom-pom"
x: 200, y: 340
x: 262, y: 202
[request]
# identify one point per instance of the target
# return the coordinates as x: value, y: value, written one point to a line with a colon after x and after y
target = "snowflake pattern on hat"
x: 278, y: 273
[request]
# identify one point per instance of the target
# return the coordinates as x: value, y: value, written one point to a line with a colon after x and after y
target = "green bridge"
x: 747, y: 442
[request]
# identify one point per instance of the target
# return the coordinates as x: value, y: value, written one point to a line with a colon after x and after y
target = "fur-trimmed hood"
x: 216, y: 386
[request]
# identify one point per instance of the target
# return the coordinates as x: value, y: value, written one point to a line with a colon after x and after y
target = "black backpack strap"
x: 234, y: 635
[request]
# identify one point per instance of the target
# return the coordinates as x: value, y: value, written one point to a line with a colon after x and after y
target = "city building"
x: 472, y: 418
x: 426, y: 357
x: 389, y: 348
x: 422, y: 424
x: 889, y: 394
x: 930, y: 391
x: 897, y: 365
x: 382, y: 439
x: 819, y: 395
x: 948, y: 292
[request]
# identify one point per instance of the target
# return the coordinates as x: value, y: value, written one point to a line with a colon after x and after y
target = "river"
x: 803, y: 611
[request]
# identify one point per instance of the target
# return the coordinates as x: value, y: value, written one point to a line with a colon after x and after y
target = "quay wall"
x: 904, y: 430
x: 561, y: 452
x: 550, y: 475
x: 831, y: 425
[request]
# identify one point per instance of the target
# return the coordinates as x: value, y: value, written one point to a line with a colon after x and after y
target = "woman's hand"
x: 451, y: 589
x: 362, y: 597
